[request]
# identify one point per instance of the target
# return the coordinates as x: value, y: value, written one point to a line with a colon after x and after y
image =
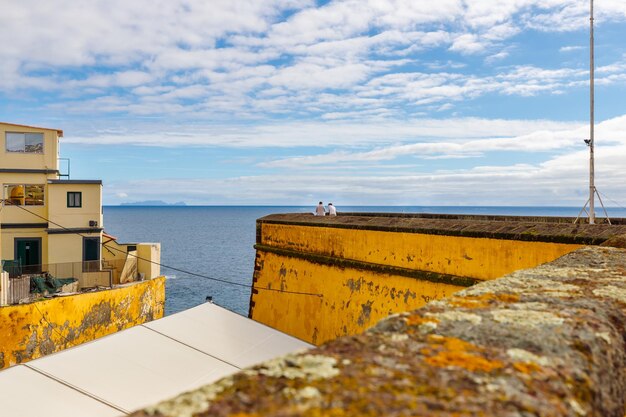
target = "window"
x: 74, y: 199
x: 24, y: 142
x: 24, y: 194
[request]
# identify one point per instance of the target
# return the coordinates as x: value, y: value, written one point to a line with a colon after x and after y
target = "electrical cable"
x: 171, y: 267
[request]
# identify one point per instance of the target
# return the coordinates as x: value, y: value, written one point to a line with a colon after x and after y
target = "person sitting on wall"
x: 332, y: 211
x: 320, y: 210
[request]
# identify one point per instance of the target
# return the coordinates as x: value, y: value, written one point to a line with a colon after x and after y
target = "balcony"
x: 26, y: 283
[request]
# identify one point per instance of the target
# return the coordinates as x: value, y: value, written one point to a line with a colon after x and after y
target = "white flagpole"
x: 592, y: 188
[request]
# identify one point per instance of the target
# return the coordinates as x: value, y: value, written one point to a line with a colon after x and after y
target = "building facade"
x: 52, y: 243
x: 45, y: 219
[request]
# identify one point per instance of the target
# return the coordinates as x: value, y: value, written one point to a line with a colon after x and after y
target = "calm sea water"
x: 218, y: 242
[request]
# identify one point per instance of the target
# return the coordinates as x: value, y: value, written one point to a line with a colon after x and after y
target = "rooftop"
x: 59, y: 131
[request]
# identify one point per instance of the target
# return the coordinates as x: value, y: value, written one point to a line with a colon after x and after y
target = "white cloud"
x: 320, y: 134
x: 491, y: 59
x: 275, y: 57
x: 363, y: 79
x: 571, y: 48
x: 560, y: 181
x: 612, y: 133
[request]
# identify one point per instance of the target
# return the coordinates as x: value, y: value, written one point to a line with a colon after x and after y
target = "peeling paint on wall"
x: 366, y: 274
x: 353, y: 300
x: 29, y: 331
x: 476, y: 257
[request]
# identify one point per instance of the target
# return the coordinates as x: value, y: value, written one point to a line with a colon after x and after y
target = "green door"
x: 28, y: 254
x: 91, y: 254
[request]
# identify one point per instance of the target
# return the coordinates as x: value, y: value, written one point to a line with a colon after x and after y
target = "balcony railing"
x: 88, y: 273
x: 64, y: 168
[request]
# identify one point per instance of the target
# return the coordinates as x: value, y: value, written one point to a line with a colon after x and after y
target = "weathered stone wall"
x: 29, y: 331
x: 547, y: 341
x: 365, y: 267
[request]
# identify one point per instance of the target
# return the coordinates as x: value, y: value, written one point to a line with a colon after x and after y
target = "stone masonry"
x: 548, y: 341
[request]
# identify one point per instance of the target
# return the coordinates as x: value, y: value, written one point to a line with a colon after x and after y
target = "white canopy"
x: 134, y: 368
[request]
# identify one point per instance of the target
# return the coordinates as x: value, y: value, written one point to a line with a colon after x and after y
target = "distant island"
x: 153, y: 203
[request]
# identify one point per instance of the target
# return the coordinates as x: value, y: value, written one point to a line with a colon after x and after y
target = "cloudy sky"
x: 398, y: 102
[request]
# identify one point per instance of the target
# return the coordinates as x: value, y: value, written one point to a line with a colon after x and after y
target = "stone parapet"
x: 547, y: 341
x: 534, y: 229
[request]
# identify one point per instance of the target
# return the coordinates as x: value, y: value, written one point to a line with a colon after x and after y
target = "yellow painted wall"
x: 8, y: 241
x: 480, y: 258
x: 17, y: 215
x: 114, y: 256
x: 67, y: 247
x: 29, y: 331
x: 147, y: 252
x: 113, y: 251
x: 341, y: 310
x: 47, y: 160
x: 353, y: 300
x: 74, y: 216
x: 65, y: 260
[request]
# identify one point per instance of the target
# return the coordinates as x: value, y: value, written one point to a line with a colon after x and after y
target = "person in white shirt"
x: 332, y: 211
x: 320, y: 210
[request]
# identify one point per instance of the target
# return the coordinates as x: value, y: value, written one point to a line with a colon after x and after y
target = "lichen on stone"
x: 454, y: 315
x: 190, y: 403
x: 526, y: 318
x: 530, y: 305
x: 396, y: 337
x: 530, y: 344
x: 522, y: 355
x: 578, y: 409
x: 449, y: 352
x: 604, y: 336
x: 308, y: 366
x: 428, y: 327
x: 611, y: 291
x: 303, y: 394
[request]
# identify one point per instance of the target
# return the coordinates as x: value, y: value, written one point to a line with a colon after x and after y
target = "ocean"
x: 217, y: 242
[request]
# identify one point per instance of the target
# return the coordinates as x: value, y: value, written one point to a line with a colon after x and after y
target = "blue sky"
x: 401, y: 102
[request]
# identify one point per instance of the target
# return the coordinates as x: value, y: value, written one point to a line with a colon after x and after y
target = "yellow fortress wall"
x: 353, y: 299
x: 475, y: 257
x: 29, y: 331
x: 358, y: 269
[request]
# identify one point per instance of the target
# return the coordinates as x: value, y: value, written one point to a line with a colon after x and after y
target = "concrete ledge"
x: 504, y: 227
x: 547, y: 341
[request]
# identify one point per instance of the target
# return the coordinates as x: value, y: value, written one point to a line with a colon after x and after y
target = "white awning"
x: 134, y: 368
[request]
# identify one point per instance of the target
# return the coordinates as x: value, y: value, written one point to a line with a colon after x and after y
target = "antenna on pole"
x: 591, y: 141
